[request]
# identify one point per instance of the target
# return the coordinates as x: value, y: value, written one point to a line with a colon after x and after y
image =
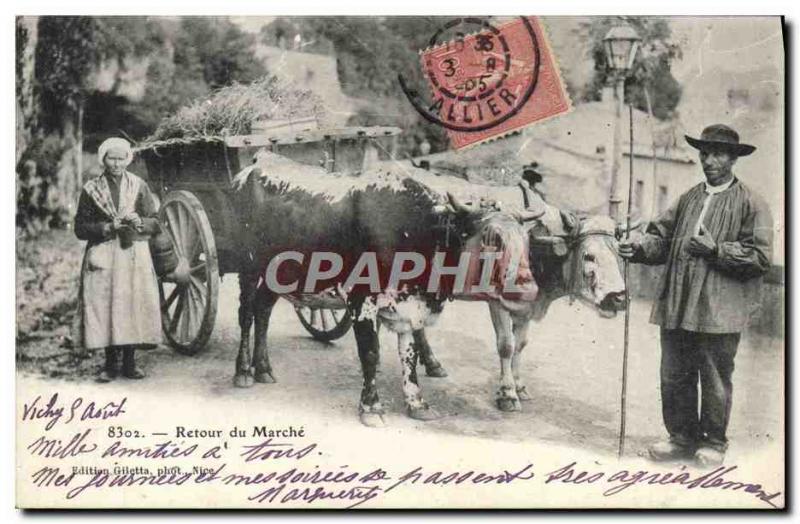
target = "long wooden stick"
x: 627, y: 297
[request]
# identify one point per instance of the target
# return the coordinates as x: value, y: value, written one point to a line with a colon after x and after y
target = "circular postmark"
x: 478, y: 81
x: 485, y: 75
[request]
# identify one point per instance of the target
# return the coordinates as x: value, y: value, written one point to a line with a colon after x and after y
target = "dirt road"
x: 572, y: 369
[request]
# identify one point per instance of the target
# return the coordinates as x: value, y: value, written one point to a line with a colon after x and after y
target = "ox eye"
x: 588, y: 257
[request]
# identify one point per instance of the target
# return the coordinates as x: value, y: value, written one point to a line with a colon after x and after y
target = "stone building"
x: 573, y: 153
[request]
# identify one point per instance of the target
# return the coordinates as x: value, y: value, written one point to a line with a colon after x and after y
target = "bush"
x: 38, y: 204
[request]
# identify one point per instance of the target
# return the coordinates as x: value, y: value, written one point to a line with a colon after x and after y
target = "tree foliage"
x: 202, y: 55
x: 185, y: 59
x: 652, y: 68
x: 218, y: 49
x: 71, y: 48
x: 370, y: 52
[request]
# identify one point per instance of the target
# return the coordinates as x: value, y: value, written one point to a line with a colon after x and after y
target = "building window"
x: 738, y: 98
x: 662, y: 198
x: 638, y: 195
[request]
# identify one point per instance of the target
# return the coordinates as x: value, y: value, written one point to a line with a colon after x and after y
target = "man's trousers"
x: 687, y: 357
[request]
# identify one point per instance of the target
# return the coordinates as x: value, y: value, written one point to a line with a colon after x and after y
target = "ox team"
x: 542, y: 251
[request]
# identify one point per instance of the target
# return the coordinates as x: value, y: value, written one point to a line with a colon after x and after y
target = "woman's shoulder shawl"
x: 97, y: 188
x: 98, y: 191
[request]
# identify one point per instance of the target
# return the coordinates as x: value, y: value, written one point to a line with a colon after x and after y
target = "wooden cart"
x: 192, y: 179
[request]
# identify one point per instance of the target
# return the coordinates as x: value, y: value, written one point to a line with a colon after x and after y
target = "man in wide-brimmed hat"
x: 716, y: 244
x: 531, y: 175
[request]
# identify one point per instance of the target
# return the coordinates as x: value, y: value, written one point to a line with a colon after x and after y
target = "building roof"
x: 588, y: 131
x: 571, y: 153
x: 584, y: 133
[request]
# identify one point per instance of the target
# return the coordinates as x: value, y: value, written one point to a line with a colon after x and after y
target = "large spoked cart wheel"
x: 325, y: 325
x: 189, y: 293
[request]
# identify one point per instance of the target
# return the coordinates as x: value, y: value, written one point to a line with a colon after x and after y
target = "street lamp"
x: 620, y: 45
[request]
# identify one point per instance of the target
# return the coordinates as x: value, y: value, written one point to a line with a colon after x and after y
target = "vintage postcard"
x: 383, y: 262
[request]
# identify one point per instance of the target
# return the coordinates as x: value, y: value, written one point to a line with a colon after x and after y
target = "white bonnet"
x: 114, y: 143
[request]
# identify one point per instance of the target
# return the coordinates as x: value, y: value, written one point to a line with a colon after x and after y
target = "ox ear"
x: 569, y: 221
x: 549, y: 246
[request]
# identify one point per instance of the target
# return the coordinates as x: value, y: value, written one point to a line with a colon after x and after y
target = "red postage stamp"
x: 491, y: 83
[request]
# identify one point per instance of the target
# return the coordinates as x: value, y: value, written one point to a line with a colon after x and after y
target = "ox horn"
x: 527, y: 215
x: 459, y: 207
x: 547, y: 240
x: 534, y: 205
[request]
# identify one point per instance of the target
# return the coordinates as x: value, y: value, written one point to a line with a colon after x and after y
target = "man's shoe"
x: 709, y: 457
x: 105, y: 376
x: 668, y: 450
x: 134, y: 373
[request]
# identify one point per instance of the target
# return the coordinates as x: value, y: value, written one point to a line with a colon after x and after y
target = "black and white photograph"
x: 400, y: 262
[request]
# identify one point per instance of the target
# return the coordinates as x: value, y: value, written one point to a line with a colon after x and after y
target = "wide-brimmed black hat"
x: 531, y: 174
x: 720, y: 136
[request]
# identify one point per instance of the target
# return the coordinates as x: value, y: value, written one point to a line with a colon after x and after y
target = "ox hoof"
x: 424, y: 413
x: 436, y: 371
x: 522, y: 393
x: 509, y: 404
x: 371, y: 415
x: 243, y: 381
x: 372, y: 420
x: 265, y: 378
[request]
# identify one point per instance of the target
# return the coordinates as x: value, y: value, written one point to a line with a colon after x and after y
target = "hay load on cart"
x: 191, y: 161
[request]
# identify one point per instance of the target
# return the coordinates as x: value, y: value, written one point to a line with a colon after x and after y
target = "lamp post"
x: 620, y: 45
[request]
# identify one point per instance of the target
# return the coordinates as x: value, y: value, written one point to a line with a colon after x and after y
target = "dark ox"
x: 569, y: 256
x: 385, y: 217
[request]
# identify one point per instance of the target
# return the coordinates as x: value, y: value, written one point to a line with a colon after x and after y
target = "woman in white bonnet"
x: 119, y: 302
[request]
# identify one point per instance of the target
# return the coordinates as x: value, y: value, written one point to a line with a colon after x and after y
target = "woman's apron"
x: 119, y: 290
